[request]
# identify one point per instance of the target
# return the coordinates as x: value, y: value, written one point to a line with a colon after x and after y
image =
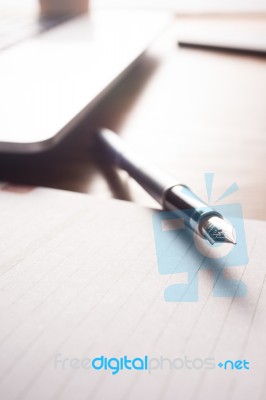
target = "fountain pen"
x: 171, y: 194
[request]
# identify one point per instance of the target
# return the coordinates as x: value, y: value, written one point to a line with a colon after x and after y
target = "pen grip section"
x: 186, y: 205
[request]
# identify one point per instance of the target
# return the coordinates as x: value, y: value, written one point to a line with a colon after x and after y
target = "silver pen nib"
x: 216, y: 230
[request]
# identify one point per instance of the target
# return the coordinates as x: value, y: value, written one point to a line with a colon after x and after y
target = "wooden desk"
x: 189, y: 111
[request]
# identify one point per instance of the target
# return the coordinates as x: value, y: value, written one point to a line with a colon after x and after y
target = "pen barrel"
x: 152, y: 179
x: 172, y: 195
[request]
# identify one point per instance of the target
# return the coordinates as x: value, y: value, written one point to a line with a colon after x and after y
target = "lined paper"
x: 79, y: 279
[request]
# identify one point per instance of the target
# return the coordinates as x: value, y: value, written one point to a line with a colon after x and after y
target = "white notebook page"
x: 79, y: 279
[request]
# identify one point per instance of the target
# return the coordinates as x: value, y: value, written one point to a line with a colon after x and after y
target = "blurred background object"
x: 50, y: 81
x: 211, y: 105
x: 52, y: 7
